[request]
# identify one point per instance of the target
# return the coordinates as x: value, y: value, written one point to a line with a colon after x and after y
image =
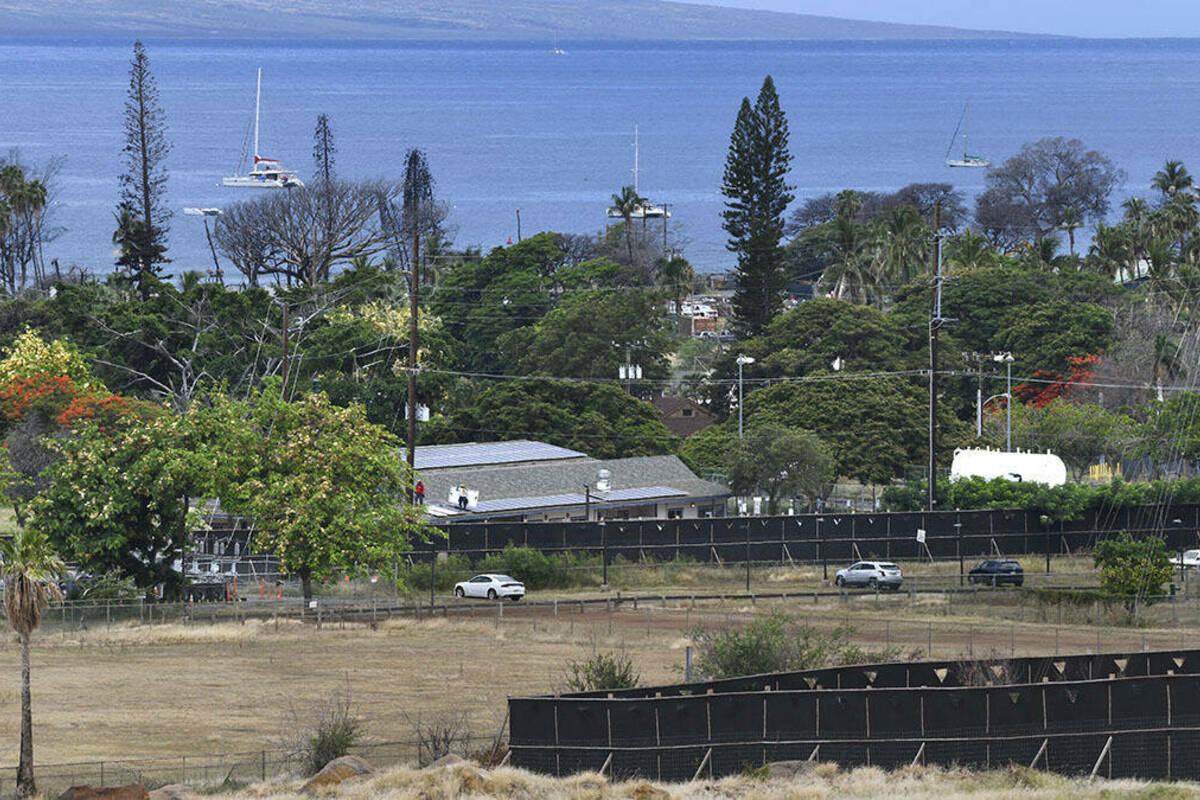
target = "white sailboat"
x: 266, y: 173
x: 967, y: 159
x: 647, y: 210
x: 557, y: 51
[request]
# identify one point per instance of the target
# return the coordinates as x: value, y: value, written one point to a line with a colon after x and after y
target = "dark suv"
x: 996, y: 572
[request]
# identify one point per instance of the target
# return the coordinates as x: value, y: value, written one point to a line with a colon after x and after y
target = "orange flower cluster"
x: 1079, y: 373
x: 58, y: 397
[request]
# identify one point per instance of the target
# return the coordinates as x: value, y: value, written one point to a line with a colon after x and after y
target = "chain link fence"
x: 204, y: 771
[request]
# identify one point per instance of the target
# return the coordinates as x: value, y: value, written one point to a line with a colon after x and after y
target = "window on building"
x: 675, y: 513
x: 687, y: 412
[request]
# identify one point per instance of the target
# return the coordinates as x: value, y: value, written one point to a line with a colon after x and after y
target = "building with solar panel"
x: 538, y: 482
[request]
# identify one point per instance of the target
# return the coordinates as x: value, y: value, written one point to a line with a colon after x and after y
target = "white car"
x: 491, y: 586
x: 1188, y: 559
x: 872, y: 574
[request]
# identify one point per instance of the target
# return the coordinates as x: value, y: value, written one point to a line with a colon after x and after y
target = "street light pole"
x: 961, y: 568
x: 1007, y: 359
x: 742, y: 360
x: 1008, y: 403
x: 604, y: 555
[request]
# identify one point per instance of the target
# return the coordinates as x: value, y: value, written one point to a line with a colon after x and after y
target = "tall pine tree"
x: 142, y: 214
x: 323, y: 148
x: 758, y: 195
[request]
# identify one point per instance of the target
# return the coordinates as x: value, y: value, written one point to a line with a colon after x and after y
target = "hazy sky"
x: 1069, y: 17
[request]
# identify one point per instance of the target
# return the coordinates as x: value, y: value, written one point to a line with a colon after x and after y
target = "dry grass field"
x: 136, y: 691
x: 825, y: 782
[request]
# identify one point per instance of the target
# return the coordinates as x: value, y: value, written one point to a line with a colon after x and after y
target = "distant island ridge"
x: 446, y: 20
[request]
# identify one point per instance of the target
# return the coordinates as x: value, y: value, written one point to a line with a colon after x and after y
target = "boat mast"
x: 635, y: 159
x: 257, y: 98
x: 966, y: 125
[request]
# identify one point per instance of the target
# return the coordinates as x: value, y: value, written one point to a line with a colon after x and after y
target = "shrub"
x: 453, y: 568
x: 777, y: 643
x: 532, y: 567
x: 441, y: 736
x: 328, y: 734
x: 602, y: 672
x: 108, y: 586
x: 1133, y: 569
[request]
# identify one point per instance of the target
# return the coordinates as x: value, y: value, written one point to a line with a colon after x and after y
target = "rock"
x: 340, y: 769
x: 644, y: 791
x: 789, y: 769
x: 175, y: 791
x: 472, y: 779
x: 133, y: 791
x: 446, y: 761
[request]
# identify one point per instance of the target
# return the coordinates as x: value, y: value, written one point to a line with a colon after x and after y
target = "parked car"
x: 873, y: 574
x: 491, y: 586
x: 1188, y: 559
x: 997, y: 572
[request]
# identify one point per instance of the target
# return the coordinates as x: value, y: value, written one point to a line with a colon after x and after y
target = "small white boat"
x: 557, y: 51
x: 647, y: 210
x: 266, y: 173
x: 967, y: 159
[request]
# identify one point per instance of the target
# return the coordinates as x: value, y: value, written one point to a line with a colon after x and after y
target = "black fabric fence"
x: 811, y: 538
x: 1116, y: 715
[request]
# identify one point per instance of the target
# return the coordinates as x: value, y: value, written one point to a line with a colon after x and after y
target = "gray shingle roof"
x: 480, y: 453
x: 533, y: 485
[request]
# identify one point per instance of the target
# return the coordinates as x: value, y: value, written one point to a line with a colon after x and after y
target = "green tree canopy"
x: 809, y: 338
x: 755, y: 185
x: 586, y: 335
x: 325, y: 486
x: 1079, y: 433
x: 1045, y: 335
x: 874, y: 427
x: 118, y: 498
x: 1133, y: 569
x: 598, y: 419
x: 781, y: 462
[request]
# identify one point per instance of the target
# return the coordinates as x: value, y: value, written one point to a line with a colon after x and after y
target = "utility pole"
x: 518, y: 225
x: 628, y: 369
x: 665, y: 215
x: 413, y: 288
x: 936, y: 320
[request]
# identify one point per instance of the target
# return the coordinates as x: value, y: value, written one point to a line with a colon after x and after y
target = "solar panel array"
x: 577, y: 499
x: 643, y: 493
x: 478, y: 454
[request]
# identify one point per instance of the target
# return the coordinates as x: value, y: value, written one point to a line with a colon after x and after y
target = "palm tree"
x: 849, y: 261
x: 970, y: 250
x: 628, y: 203
x: 1180, y: 215
x: 1110, y: 251
x: 1167, y: 362
x: 31, y: 570
x: 903, y: 240
x: 676, y: 275
x: 1042, y: 254
x: 1069, y: 221
x: 1172, y: 179
x: 36, y: 195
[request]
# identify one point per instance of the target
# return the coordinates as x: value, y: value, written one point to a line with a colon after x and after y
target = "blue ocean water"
x: 510, y: 126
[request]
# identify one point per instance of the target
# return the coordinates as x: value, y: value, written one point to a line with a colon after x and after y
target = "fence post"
x: 264, y: 766
x: 1100, y: 759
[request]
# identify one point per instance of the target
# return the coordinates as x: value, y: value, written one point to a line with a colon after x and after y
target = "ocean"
x: 512, y: 126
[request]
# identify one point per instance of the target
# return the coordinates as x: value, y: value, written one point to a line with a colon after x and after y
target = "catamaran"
x: 967, y: 160
x: 642, y: 211
x: 267, y: 173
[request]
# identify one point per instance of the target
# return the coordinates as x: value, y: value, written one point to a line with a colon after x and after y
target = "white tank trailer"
x: 1024, y: 466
